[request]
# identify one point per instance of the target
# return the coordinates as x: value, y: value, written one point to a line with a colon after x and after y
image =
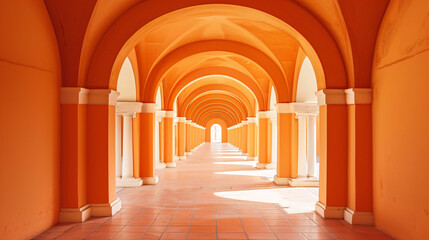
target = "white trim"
x: 331, y: 97
x: 251, y: 120
x: 128, y: 107
x: 102, y: 97
x: 328, y: 211
x: 360, y: 218
x: 358, y: 95
x: 72, y: 95
x: 263, y: 114
x: 105, y: 209
x: 304, y: 182
x: 75, y: 214
x: 150, y: 180
x: 170, y: 165
x: 281, y: 181
x: 261, y: 165
x: 297, y: 107
x: 181, y: 119
x: 149, y: 108
x: 129, y: 182
x: 170, y: 114
x: 182, y: 157
x: 188, y: 121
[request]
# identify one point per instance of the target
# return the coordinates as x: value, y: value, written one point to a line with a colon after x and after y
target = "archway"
x: 215, y: 133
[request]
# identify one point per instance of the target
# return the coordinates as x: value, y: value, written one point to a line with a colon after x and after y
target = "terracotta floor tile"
x: 214, y: 189
x: 265, y: 236
x: 229, y: 228
x: 290, y: 236
x: 199, y: 236
x: 231, y: 236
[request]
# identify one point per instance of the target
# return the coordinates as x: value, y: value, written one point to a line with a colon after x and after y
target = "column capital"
x: 149, y: 108
x: 123, y: 108
x: 344, y: 96
x: 159, y: 114
x: 251, y: 120
x: 244, y: 122
x: 297, y: 107
x: 169, y: 114
x: 181, y: 119
x: 76, y: 95
x: 188, y: 121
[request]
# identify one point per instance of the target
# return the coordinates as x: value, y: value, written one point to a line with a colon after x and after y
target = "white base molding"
x: 304, y: 182
x: 159, y: 165
x: 271, y: 166
x: 250, y: 158
x: 170, y: 165
x: 182, y: 157
x: 150, y: 180
x: 75, y: 214
x: 175, y: 158
x: 281, y: 181
x: 105, y: 209
x: 358, y: 218
x: 261, y: 165
x: 329, y: 212
x: 188, y: 153
x: 129, y: 182
x: 243, y: 154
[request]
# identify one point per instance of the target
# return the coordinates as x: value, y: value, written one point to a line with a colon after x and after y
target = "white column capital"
x: 169, y: 114
x: 181, y: 119
x: 189, y: 122
x: 244, y: 122
x: 358, y: 95
x: 297, y: 107
x: 72, y: 95
x: 123, y: 108
x: 159, y: 115
x: 251, y: 120
x: 149, y: 108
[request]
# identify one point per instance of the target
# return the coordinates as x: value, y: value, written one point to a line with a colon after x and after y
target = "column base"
x: 128, y: 182
x: 150, y: 180
x: 304, y: 182
x: 358, y: 218
x: 105, y: 209
x: 170, y: 165
x: 243, y: 154
x: 160, y: 165
x: 175, y: 158
x: 281, y: 181
x: 328, y: 211
x: 75, y: 214
x: 250, y: 158
x: 188, y: 153
x: 182, y: 157
x: 271, y: 166
x: 261, y: 165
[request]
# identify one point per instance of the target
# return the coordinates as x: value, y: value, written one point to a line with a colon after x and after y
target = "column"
x: 274, y: 141
x: 158, y: 118
x: 181, y: 131
x: 148, y: 144
x: 118, y: 144
x: 244, y: 137
x: 333, y: 178
x: 168, y: 139
x: 251, y: 136
x: 359, y: 208
x: 188, y: 137
x: 311, y: 145
x: 263, y: 141
x: 127, y: 179
x: 302, y: 145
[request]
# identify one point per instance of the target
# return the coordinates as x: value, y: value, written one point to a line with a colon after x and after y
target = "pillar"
x: 333, y: 153
x: 158, y: 140
x: 118, y: 144
x: 181, y: 132
x: 302, y: 145
x: 168, y: 139
x: 311, y: 145
x: 359, y: 208
x: 274, y: 141
x: 251, y: 138
x: 263, y: 160
x: 188, y: 137
x: 244, y: 137
x: 148, y: 143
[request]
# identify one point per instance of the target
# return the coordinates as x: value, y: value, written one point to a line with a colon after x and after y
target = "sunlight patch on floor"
x: 269, y: 173
x: 233, y: 157
x: 241, y: 163
x: 292, y: 200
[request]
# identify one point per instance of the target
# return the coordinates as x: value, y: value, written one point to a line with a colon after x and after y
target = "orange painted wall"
x: 30, y: 75
x: 400, y: 121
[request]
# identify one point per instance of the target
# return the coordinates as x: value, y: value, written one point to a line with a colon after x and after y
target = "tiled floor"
x: 214, y: 194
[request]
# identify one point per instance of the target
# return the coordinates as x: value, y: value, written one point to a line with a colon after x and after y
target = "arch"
x: 312, y: 35
x: 221, y: 123
x: 250, y: 83
x: 307, y: 83
x: 215, y: 131
x: 127, y: 82
x: 216, y: 99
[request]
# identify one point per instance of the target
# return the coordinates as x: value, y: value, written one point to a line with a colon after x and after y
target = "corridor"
x: 214, y: 194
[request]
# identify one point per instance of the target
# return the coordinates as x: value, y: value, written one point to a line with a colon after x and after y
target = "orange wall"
x: 29, y: 120
x: 401, y: 121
